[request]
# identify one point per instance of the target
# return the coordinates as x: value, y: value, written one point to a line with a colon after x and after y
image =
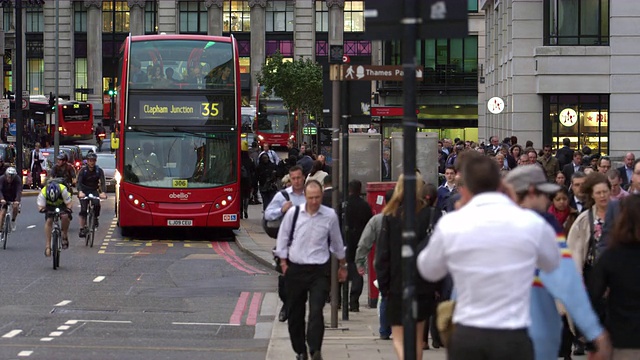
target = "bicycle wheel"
x: 92, y: 228
x: 55, y: 250
x: 7, y: 229
x: 87, y: 227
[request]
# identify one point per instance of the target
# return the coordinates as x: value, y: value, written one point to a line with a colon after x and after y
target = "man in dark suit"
x: 613, y: 209
x: 386, y: 165
x: 576, y: 197
x: 574, y: 166
x: 626, y: 171
x: 565, y: 153
x: 327, y: 194
x: 494, y: 145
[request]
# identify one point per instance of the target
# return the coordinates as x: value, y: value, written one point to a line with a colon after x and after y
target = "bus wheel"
x: 125, y: 231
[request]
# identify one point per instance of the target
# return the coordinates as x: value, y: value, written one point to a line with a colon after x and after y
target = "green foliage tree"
x: 297, y: 82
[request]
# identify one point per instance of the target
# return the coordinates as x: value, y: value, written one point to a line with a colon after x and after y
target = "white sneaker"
x: 13, y: 226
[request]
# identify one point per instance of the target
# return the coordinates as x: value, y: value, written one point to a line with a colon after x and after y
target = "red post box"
x: 375, y: 198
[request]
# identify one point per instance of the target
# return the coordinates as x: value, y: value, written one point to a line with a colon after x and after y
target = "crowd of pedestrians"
x: 536, y: 247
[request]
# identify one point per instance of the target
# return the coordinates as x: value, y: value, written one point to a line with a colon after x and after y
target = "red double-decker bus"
x: 75, y: 119
x: 178, y: 160
x: 274, y: 125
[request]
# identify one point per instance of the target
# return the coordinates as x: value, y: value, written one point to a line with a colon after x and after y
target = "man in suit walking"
x: 565, y: 153
x: 386, y: 165
x: 626, y: 171
x: 574, y: 166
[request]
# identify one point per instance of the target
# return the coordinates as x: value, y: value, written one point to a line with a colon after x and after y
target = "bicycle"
x: 56, y: 237
x: 90, y: 226
x: 7, y: 224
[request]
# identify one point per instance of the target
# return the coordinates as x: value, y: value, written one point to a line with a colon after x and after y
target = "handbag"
x: 271, y: 227
x: 276, y: 258
x: 444, y: 321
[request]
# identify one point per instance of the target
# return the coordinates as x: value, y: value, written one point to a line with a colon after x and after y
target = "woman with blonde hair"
x: 388, y: 263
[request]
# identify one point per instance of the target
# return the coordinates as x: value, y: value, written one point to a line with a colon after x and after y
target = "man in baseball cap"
x: 530, y: 180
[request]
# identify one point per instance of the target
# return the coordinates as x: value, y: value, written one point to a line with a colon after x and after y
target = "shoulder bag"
x: 276, y: 258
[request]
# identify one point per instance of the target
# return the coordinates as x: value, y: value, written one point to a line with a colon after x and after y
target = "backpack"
x: 271, y: 227
x: 244, y: 173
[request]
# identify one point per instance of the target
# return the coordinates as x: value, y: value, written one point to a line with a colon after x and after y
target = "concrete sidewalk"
x: 356, y: 338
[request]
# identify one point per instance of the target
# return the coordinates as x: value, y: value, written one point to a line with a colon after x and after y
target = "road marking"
x: 203, y: 324
x: 63, y: 327
x: 236, y: 317
x: 69, y: 322
x: 234, y: 261
x: 252, y: 317
x: 98, y: 279
x: 46, y: 339
x: 263, y: 330
x: 30, y: 227
x: 56, y: 333
x: 63, y: 303
x: 11, y: 334
x: 25, y: 353
x: 269, y: 304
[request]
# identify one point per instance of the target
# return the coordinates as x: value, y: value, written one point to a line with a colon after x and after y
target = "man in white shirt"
x: 273, y: 156
x: 492, y: 274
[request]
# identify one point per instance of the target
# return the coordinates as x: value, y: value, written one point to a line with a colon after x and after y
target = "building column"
x: 136, y: 17
x: 258, y: 30
x: 304, y: 30
x: 94, y: 54
x: 214, y: 14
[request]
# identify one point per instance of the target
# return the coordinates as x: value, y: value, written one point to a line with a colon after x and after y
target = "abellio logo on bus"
x: 180, y: 196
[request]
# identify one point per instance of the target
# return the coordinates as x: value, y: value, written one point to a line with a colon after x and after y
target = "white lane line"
x: 46, y: 339
x: 11, y: 334
x: 104, y: 321
x: 25, y: 353
x: 98, y: 279
x: 56, y: 333
x: 204, y: 324
x: 63, y: 327
x: 63, y: 303
x: 30, y: 227
x: 71, y: 322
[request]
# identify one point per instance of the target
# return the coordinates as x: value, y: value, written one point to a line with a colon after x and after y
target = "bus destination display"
x: 186, y: 110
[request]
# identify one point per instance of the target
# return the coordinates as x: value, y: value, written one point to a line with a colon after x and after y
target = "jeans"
x: 385, y: 328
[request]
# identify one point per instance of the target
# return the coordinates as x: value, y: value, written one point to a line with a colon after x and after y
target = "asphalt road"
x: 160, y: 297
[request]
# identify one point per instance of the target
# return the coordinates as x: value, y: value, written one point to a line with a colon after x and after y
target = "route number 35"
x: 210, y: 109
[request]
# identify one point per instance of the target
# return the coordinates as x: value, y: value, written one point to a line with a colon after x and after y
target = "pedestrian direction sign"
x: 376, y: 72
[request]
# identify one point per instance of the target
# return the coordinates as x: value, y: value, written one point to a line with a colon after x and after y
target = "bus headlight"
x: 260, y: 137
x: 292, y: 136
x: 117, y: 176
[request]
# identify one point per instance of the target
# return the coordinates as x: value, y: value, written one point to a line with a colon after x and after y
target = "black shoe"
x: 436, y: 344
x: 385, y: 337
x: 283, y: 316
x: 97, y: 223
x: 258, y: 202
x: 302, y: 357
x: 354, y: 309
x: 82, y: 233
x: 316, y: 356
x: 579, y: 350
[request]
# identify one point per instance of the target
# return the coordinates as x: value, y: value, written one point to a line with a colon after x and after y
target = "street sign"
x: 335, y: 54
x: 4, y: 108
x: 12, y: 129
x: 309, y: 130
x: 376, y: 72
x: 389, y: 111
x: 25, y: 100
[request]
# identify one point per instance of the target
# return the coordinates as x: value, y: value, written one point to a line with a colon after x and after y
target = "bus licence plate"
x: 179, y: 222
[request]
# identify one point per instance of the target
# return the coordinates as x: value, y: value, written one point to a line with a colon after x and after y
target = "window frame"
x: 79, y: 17
x: 150, y: 17
x: 37, y: 76
x: 350, y: 13
x: 553, y: 38
x: 271, y: 14
x: 322, y: 16
x: 122, y: 13
x: 238, y: 7
x: 34, y: 19
x: 80, y: 76
x: 186, y: 13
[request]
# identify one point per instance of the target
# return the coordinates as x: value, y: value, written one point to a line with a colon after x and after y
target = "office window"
x: 576, y: 22
x: 7, y: 21
x: 81, y: 77
x: 35, y: 76
x: 279, y: 16
x: 353, y: 16
x: 193, y: 17
x: 583, y: 118
x: 79, y: 17
x: 285, y: 47
x: 150, y: 14
x: 121, y: 10
x: 236, y: 17
x: 322, y: 16
x: 472, y: 6
x: 34, y: 19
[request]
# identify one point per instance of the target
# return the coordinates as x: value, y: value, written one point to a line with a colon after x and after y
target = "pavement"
x: 356, y: 338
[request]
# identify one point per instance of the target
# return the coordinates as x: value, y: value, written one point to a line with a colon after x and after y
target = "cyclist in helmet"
x: 90, y: 181
x: 63, y: 170
x: 55, y: 195
x: 3, y: 166
x: 10, y: 190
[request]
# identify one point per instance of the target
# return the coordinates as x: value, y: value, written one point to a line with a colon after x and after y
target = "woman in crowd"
x: 514, y: 154
x: 388, y: 263
x: 616, y: 274
x: 267, y: 179
x: 317, y: 173
x: 560, y: 178
x: 587, y: 229
x: 560, y: 209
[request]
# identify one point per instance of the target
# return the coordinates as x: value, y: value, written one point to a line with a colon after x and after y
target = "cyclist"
x: 55, y: 195
x: 90, y: 181
x: 63, y: 170
x: 100, y: 133
x: 10, y: 190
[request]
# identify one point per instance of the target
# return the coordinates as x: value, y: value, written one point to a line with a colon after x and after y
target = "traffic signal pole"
x: 54, y: 113
x: 18, y: 80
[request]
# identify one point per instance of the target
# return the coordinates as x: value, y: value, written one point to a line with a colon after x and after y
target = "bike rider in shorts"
x: 55, y: 195
x: 90, y: 181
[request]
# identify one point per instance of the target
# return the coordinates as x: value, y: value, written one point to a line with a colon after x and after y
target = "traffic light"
x: 52, y: 102
x: 112, y: 92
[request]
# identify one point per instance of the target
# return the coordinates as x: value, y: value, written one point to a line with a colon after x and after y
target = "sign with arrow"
x: 376, y: 72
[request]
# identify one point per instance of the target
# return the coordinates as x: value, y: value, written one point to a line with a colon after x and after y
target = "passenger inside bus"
x: 146, y: 165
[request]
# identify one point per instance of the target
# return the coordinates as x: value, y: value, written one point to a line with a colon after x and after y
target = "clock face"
x: 495, y: 105
x: 568, y: 117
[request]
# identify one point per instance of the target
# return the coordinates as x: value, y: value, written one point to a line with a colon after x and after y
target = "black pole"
x: 114, y: 66
x: 345, y: 187
x: 409, y: 202
x: 18, y: 78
